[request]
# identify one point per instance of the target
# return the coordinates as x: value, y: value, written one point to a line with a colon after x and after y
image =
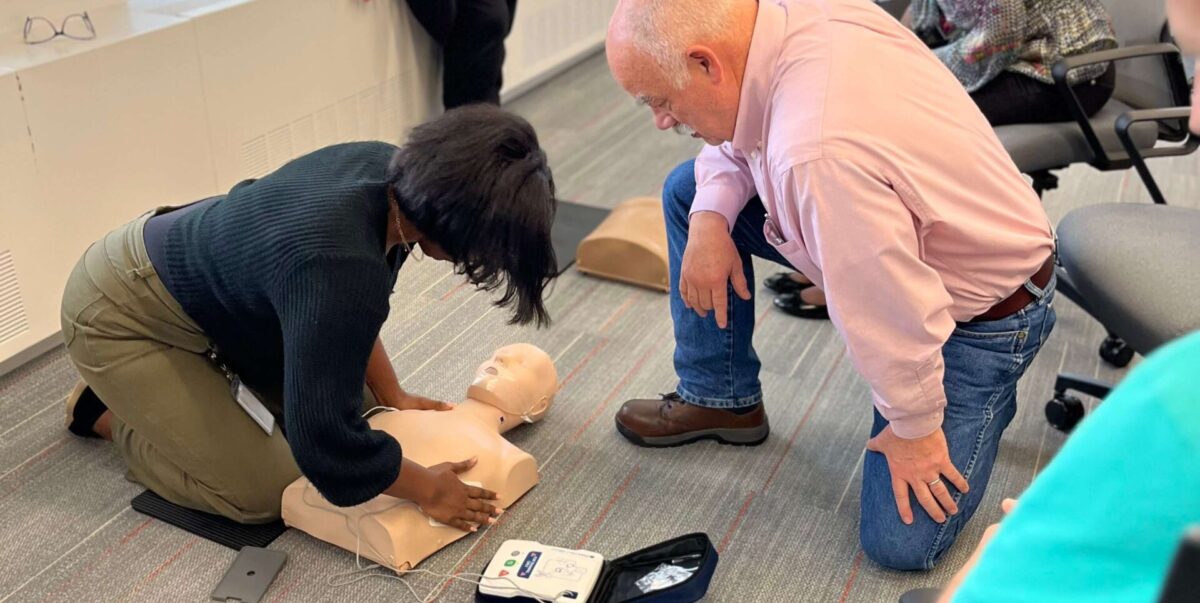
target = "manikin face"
x: 520, y: 379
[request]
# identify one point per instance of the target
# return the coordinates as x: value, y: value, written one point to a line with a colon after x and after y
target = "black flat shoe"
x: 793, y: 304
x: 781, y: 282
x: 83, y: 410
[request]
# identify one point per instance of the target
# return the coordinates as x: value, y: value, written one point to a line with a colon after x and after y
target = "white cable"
x: 460, y: 577
x: 334, y: 580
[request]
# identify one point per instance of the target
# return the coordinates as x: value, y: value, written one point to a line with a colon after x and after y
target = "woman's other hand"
x: 411, y: 402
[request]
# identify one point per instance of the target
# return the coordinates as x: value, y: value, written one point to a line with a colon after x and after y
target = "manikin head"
x: 685, y: 59
x: 518, y: 379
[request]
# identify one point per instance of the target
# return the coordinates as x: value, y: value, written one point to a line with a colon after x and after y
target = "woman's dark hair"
x: 475, y: 181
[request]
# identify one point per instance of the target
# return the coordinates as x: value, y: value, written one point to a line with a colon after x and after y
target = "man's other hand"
x: 710, y: 262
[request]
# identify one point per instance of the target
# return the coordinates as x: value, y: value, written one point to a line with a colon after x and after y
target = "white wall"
x: 18, y: 258
x: 105, y: 130
x: 13, y: 12
x: 180, y: 99
x: 549, y: 35
x: 285, y: 77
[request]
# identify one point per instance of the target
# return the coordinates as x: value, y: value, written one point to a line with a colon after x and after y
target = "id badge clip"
x: 242, y: 394
x: 252, y: 405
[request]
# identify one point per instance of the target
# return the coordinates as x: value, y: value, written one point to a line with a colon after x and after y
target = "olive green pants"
x: 175, y: 421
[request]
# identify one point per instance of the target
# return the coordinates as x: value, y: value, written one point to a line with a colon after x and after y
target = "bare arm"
x: 961, y: 575
x: 382, y: 381
x: 440, y: 494
x: 381, y: 377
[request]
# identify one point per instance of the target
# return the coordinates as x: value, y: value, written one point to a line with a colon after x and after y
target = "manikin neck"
x: 486, y: 414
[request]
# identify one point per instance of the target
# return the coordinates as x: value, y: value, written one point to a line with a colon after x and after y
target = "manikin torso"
x: 394, y: 532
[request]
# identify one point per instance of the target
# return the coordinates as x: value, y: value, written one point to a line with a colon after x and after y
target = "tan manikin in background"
x: 517, y: 384
x: 630, y: 245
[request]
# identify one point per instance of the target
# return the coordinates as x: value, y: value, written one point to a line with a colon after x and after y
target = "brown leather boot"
x: 670, y: 421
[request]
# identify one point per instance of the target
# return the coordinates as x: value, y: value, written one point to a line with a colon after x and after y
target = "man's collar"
x: 760, y: 71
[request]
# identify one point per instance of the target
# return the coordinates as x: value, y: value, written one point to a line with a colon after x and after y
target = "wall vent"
x: 304, y: 136
x: 254, y: 157
x: 372, y: 114
x: 13, y: 321
x: 347, y: 119
x: 389, y: 123
x: 368, y: 114
x: 326, y: 127
x: 279, y: 146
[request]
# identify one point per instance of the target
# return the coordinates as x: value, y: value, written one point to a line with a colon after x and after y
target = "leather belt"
x: 1021, y: 297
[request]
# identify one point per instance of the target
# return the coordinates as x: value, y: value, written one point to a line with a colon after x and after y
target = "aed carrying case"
x: 676, y: 571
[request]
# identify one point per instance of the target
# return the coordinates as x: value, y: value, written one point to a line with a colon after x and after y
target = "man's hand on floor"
x: 920, y: 465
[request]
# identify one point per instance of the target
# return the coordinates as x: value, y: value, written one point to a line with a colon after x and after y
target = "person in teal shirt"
x: 1103, y: 521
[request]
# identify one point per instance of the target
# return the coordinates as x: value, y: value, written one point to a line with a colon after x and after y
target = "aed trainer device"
x: 522, y: 568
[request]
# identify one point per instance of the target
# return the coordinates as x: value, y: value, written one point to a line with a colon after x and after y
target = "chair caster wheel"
x: 1116, y: 352
x: 1064, y: 412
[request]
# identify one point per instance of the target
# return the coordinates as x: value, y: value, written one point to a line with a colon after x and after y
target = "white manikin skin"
x: 517, y: 380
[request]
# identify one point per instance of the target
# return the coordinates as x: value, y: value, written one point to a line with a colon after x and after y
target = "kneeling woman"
x: 277, y: 291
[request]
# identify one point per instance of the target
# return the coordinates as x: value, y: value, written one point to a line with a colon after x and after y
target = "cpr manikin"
x: 630, y: 245
x: 516, y: 385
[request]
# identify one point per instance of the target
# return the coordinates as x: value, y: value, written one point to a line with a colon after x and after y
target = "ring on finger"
x: 934, y: 483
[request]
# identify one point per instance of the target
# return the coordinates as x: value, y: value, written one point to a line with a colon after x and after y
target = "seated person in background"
x: 1002, y: 52
x: 471, y: 33
x: 1104, y: 519
x: 1113, y: 505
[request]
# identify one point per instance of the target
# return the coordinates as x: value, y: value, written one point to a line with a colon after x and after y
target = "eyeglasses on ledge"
x: 78, y: 26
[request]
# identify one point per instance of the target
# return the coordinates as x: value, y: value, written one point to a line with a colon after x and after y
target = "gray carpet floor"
x: 784, y: 515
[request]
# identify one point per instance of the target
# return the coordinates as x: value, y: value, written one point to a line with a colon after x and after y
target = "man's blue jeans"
x: 719, y: 368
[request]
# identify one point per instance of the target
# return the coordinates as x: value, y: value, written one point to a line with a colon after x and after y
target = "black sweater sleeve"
x: 331, y: 307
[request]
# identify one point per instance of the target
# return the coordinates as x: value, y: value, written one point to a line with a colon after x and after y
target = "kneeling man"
x: 840, y: 146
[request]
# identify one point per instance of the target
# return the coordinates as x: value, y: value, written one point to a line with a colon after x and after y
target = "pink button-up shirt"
x: 883, y: 183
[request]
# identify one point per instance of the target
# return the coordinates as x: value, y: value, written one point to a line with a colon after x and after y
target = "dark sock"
x: 87, y: 411
x: 744, y: 410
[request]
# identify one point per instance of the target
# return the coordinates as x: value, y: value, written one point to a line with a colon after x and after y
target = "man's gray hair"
x: 663, y: 30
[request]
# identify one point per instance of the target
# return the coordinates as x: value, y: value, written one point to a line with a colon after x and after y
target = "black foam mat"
x: 573, y: 222
x: 216, y: 528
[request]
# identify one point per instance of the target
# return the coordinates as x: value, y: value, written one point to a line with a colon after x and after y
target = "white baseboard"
x: 20, y: 358
x: 567, y: 63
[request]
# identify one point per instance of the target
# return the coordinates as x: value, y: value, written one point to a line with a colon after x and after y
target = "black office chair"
x: 1136, y: 269
x: 1150, y: 105
x: 1183, y: 583
x: 894, y: 8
